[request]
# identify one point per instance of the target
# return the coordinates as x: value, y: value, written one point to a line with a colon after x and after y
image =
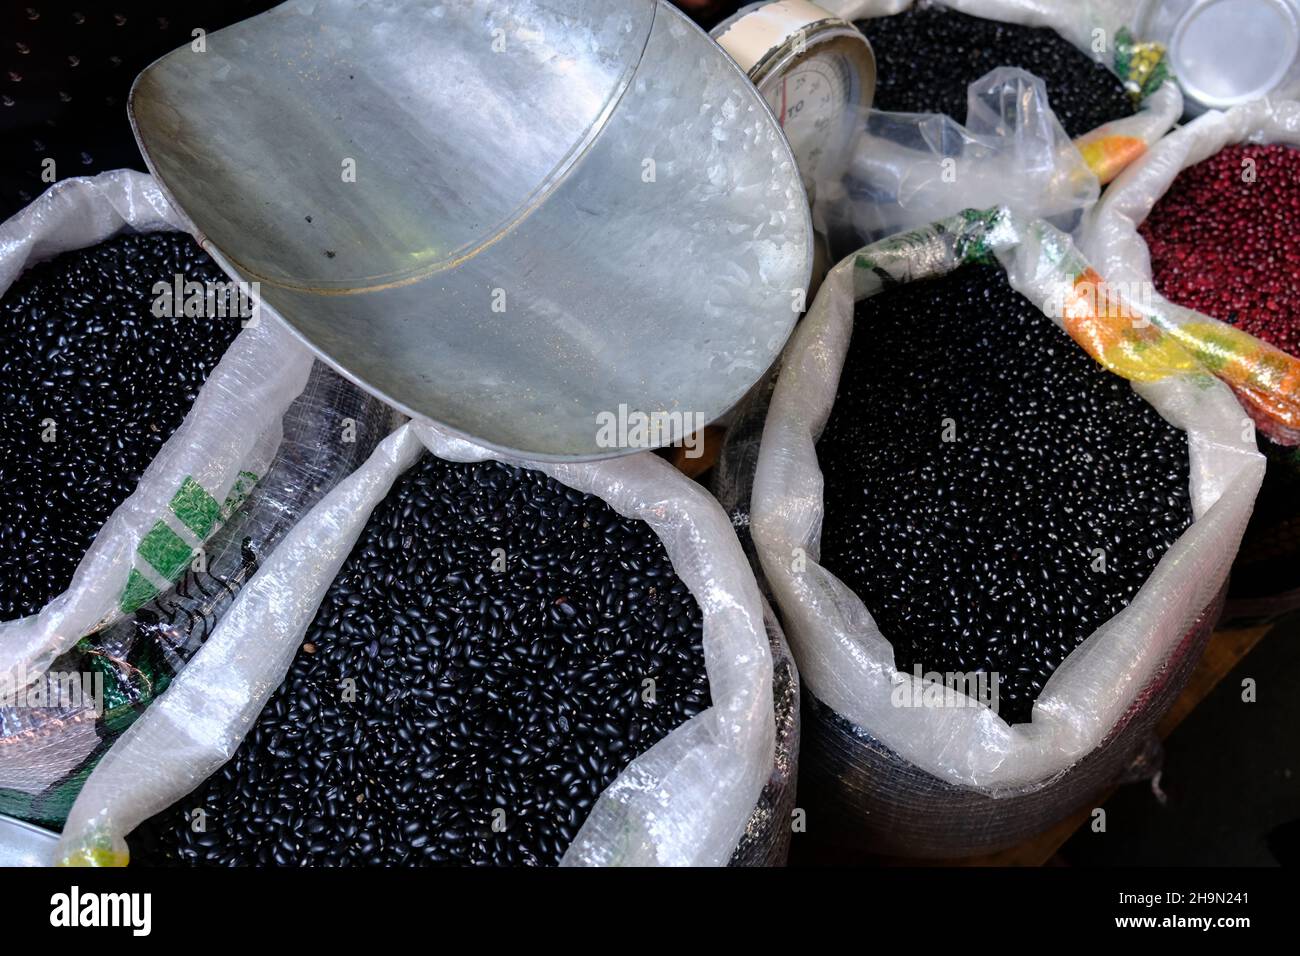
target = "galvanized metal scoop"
x: 524, y: 219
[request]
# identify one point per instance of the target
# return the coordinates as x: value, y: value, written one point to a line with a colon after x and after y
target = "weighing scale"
x: 815, y: 71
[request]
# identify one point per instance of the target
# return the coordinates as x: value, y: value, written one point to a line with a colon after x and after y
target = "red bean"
x: 1223, y: 241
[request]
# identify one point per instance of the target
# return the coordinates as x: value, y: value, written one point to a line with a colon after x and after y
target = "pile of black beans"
x: 495, y: 650
x: 992, y: 493
x: 94, y: 384
x: 927, y: 56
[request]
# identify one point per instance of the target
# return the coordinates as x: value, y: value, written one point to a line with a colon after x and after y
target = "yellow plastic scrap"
x: 1107, y: 155
x: 1263, y: 375
x: 98, y: 851
x: 1144, y: 349
x: 1118, y: 337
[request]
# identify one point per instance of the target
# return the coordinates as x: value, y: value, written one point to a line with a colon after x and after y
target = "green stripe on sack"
x: 165, y: 551
x: 138, y: 591
x: 238, y: 493
x: 197, y: 509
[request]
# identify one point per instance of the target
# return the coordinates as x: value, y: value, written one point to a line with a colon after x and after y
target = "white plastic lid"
x: 1226, y: 52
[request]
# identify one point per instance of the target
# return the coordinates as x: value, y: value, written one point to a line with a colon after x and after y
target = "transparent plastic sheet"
x: 733, y: 476
x: 689, y: 800
x: 47, y: 752
x: 844, y: 660
x: 909, y: 169
x: 223, y: 446
x: 901, y: 173
x: 1266, y: 379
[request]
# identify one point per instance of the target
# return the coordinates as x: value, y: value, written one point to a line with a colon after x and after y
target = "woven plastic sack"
x: 46, y: 752
x: 943, y: 764
x: 766, y: 840
x: 1104, y: 30
x: 204, y: 470
x: 692, y: 799
x: 850, y: 777
x: 1266, y: 379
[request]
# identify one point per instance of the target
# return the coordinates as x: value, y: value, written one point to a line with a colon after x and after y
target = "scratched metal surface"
x: 497, y: 146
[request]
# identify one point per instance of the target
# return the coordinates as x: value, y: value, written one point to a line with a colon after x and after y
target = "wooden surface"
x: 1226, y: 649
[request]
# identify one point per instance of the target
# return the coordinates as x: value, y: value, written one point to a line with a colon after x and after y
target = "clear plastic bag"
x: 708, y: 791
x: 909, y: 169
x: 224, y: 445
x: 766, y: 840
x: 943, y: 765
x: 47, y: 752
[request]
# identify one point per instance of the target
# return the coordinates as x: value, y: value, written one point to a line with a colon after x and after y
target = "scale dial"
x: 815, y: 71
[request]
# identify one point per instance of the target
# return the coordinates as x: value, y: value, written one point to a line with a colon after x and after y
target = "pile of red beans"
x: 1223, y: 241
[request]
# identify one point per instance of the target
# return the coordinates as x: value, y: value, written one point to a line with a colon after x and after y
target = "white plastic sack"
x: 329, y: 431
x: 685, y: 801
x: 844, y: 659
x: 225, y: 443
x: 1267, y: 380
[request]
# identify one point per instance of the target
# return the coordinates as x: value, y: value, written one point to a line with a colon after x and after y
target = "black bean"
x: 978, y: 464
x: 80, y: 348
x: 467, y: 716
x: 927, y: 56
